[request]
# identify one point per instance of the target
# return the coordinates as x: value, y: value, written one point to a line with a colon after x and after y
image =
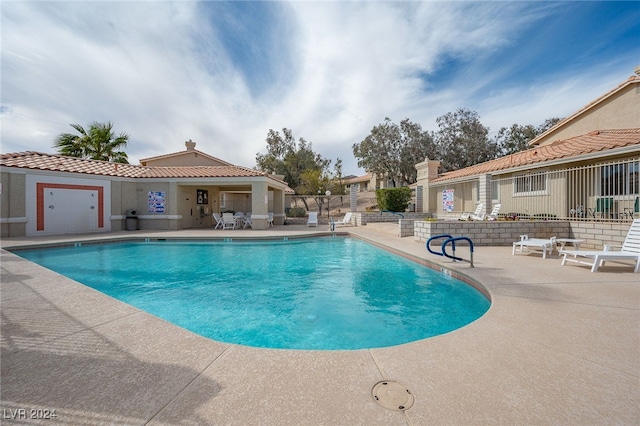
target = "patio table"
x: 564, y: 241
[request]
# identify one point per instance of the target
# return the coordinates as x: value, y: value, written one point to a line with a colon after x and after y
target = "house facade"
x: 44, y: 194
x: 586, y: 167
x: 368, y: 182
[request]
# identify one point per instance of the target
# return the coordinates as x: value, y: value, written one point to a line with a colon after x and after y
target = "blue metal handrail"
x: 435, y: 238
x: 452, y: 240
x: 453, y: 247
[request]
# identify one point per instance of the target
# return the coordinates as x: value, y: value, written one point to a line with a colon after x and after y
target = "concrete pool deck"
x: 559, y: 345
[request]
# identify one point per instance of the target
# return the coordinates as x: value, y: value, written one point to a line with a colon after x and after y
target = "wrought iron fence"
x: 602, y: 192
x: 605, y: 191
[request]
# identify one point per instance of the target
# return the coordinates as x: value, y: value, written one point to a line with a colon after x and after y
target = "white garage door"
x: 70, y: 210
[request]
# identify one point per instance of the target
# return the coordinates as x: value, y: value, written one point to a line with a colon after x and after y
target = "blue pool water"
x: 321, y: 293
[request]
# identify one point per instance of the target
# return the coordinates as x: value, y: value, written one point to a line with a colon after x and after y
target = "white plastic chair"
x: 270, y: 220
x: 345, y: 221
x: 494, y: 213
x: 478, y: 214
x: 229, y: 221
x: 219, y: 221
x: 313, y: 219
x: 247, y: 221
x: 239, y: 219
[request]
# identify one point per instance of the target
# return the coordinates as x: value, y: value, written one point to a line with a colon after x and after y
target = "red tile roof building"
x: 40, y: 193
x: 604, y: 131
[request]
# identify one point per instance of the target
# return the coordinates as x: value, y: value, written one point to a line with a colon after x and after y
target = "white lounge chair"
x: 229, y: 221
x: 630, y: 251
x: 478, y: 214
x: 219, y: 221
x: 494, y: 213
x: 345, y: 221
x: 546, y: 245
x: 313, y: 219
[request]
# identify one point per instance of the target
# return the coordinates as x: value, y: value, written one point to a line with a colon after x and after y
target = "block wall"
x: 504, y: 233
x: 492, y: 233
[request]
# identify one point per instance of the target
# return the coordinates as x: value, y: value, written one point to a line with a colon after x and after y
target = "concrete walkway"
x: 559, y: 346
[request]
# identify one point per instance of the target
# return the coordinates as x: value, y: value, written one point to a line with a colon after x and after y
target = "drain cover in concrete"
x: 392, y: 396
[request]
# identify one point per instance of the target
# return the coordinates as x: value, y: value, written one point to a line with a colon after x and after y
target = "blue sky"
x: 223, y: 73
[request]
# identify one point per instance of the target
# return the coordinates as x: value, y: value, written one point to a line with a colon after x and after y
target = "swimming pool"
x: 310, y: 293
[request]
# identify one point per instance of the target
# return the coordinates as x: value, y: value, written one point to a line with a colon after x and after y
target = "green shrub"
x: 296, y: 212
x: 394, y: 199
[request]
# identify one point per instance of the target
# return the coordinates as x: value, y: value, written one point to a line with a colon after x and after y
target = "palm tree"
x: 98, y: 143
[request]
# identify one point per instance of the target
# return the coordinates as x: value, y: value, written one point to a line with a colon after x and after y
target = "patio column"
x: 259, y: 205
x: 427, y: 171
x: 484, y: 186
x: 278, y: 206
x: 419, y: 202
x: 353, y: 197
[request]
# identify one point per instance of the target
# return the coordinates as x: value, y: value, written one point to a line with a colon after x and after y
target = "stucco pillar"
x: 427, y: 171
x: 278, y: 207
x: 419, y: 200
x: 484, y: 190
x: 353, y: 197
x: 259, y: 205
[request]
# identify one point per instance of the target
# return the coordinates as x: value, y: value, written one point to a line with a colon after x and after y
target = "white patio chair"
x: 229, y: 221
x: 247, y: 221
x: 219, y: 221
x: 479, y: 213
x: 630, y: 250
x: 239, y: 219
x: 270, y: 219
x: 313, y: 219
x: 345, y: 221
x: 494, y: 213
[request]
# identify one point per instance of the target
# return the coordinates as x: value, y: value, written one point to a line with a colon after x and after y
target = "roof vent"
x: 190, y: 145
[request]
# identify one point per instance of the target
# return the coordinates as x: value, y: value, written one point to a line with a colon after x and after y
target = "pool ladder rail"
x: 451, y: 240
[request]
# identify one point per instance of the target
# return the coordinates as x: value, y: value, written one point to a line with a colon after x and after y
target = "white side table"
x: 572, y: 241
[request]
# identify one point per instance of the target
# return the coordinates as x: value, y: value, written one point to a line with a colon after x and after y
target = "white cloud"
x: 160, y: 72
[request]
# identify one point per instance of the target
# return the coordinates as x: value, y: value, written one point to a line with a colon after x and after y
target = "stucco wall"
x: 68, y: 193
x: 189, y: 158
x: 157, y: 206
x: 620, y: 111
x: 12, y: 205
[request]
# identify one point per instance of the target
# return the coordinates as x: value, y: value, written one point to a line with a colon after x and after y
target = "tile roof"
x: 593, y: 142
x: 363, y: 178
x: 200, y: 172
x: 59, y: 163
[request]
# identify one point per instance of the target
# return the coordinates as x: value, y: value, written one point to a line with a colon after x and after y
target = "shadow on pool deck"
x: 560, y: 345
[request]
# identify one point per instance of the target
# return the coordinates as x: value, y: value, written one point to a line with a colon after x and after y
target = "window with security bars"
x: 620, y: 179
x: 495, y: 191
x: 530, y: 184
